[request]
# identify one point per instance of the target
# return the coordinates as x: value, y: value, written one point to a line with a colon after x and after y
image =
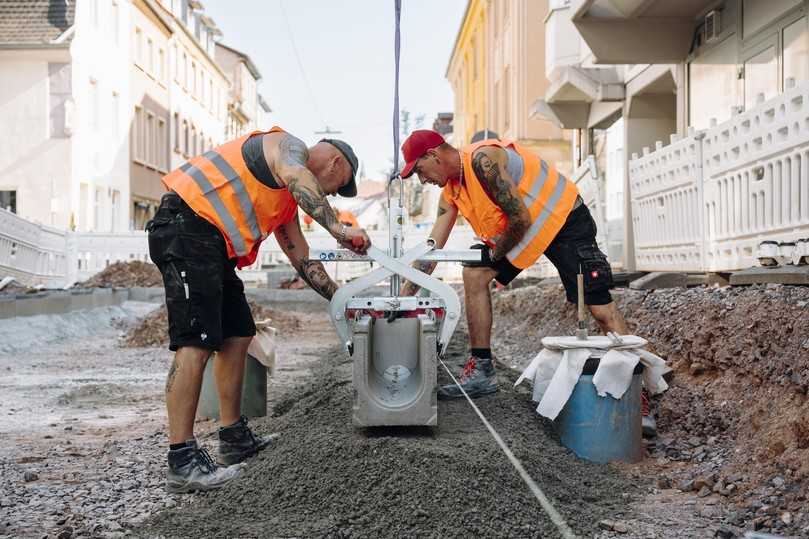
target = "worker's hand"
x: 393, y: 315
x: 357, y: 240
x: 485, y: 257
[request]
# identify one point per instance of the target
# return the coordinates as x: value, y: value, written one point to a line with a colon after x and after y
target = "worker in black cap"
x: 219, y: 207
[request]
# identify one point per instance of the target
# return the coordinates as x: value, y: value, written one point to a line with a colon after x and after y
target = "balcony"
x: 579, y: 95
x: 705, y: 202
x: 638, y: 31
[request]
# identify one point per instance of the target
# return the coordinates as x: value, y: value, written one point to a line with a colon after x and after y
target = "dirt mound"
x: 153, y: 329
x: 324, y: 478
x: 125, y: 274
x: 734, y: 419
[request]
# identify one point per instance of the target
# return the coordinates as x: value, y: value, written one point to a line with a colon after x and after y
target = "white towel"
x: 614, y: 373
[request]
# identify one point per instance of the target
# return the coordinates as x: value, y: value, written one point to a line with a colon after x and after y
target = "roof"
x: 247, y: 60
x: 35, y: 22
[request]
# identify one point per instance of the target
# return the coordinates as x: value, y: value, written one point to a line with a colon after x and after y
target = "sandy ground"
x: 82, y: 432
x: 82, y: 441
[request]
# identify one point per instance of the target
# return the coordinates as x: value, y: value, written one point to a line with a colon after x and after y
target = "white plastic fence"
x: 666, y: 201
x: 36, y: 254
x: 31, y: 252
x: 704, y: 203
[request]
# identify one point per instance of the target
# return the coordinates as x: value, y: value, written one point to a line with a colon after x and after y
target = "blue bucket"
x: 602, y: 429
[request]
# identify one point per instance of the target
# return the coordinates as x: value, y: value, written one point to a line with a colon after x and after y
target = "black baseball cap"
x: 350, y: 189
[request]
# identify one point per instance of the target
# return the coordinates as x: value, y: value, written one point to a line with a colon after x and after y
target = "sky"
x: 347, y: 55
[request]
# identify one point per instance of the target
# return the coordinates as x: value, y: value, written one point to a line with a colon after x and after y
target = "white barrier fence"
x: 705, y: 203
x: 37, y: 254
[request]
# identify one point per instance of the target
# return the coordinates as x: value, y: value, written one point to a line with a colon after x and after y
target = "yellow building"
x: 496, y: 69
x: 464, y: 73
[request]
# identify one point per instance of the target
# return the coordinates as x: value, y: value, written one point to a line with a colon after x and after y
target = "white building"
x: 101, y: 98
x: 63, y: 107
x: 246, y: 109
x: 199, y: 87
x: 712, y: 96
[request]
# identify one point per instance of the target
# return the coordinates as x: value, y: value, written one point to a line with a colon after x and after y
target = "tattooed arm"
x: 489, y: 164
x: 294, y: 245
x: 288, y: 161
x: 444, y: 222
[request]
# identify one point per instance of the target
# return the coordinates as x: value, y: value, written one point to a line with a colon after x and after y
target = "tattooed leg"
x: 182, y: 391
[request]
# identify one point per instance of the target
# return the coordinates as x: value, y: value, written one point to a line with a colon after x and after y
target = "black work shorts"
x: 204, y: 296
x: 574, y: 246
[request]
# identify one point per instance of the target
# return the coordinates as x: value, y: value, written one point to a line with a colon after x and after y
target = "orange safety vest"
x: 220, y: 188
x: 548, y: 195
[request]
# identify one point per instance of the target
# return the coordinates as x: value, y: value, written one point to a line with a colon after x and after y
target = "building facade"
x: 496, y: 68
x: 246, y: 109
x: 709, y: 100
x: 101, y: 98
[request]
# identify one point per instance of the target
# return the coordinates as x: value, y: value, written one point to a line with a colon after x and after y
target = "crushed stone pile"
x: 733, y: 426
x: 125, y: 274
x: 324, y: 478
x: 152, y: 330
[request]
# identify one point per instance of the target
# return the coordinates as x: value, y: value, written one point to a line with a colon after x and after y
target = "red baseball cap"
x: 416, y: 145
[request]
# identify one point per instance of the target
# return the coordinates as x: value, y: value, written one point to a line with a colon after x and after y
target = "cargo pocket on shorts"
x: 164, y: 241
x: 595, y: 268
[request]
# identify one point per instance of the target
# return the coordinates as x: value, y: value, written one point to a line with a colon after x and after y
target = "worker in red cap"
x: 521, y: 207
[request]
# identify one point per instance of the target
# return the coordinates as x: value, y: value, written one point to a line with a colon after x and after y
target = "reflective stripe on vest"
x: 547, y: 195
x: 539, y: 222
x: 212, y: 195
x: 220, y: 188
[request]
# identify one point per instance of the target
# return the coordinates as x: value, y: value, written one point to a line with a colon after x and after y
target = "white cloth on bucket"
x: 556, y: 369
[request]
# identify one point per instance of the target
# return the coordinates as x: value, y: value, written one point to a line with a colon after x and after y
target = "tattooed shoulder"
x: 292, y: 151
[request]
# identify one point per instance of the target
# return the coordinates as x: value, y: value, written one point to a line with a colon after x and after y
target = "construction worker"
x: 220, y: 206
x: 521, y: 208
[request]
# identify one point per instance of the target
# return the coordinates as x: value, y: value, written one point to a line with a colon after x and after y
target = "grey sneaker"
x: 192, y: 468
x: 477, y: 378
x: 238, y: 443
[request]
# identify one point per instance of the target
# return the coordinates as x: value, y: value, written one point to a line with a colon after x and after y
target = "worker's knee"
x: 237, y: 342
x: 192, y: 355
x: 477, y: 278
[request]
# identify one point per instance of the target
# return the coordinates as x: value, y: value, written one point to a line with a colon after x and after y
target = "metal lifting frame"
x: 396, y: 264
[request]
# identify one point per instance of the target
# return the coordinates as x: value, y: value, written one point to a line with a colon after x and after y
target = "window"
x: 186, y: 147
x: 210, y: 94
x: 94, y: 12
x: 137, y: 135
x: 176, y: 132
x: 114, y: 114
x: 59, y: 91
x: 193, y: 88
x: 97, y: 209
x: 150, y: 56
x: 176, y: 52
x: 161, y: 65
x: 193, y: 141
x: 138, y: 46
x: 760, y: 77
x: 84, y: 201
x: 114, y: 24
x: 162, y: 145
x: 116, y: 205
x: 184, y: 11
x: 149, y: 139
x: 94, y: 104
x: 507, y: 96
x: 714, y: 86
x: 202, y: 85
x: 796, y: 51
x: 202, y: 148
x: 8, y: 200
x: 185, y: 70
